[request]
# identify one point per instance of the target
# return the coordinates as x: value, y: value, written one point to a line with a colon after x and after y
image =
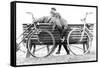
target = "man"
x: 61, y: 25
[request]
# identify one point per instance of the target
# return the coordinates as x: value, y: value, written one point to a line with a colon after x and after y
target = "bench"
x: 44, y: 37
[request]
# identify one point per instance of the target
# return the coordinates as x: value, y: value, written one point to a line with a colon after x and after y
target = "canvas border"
x: 13, y: 34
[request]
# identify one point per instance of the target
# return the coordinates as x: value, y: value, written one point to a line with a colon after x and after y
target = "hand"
x: 62, y: 39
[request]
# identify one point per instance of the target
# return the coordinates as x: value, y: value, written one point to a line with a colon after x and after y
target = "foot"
x: 68, y: 54
x: 57, y: 52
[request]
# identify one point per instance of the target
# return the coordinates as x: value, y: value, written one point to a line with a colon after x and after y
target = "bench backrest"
x: 76, y: 35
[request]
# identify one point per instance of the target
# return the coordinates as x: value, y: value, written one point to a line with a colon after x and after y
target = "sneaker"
x: 68, y: 54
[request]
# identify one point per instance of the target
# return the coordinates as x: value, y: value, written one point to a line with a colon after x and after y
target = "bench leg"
x: 84, y: 47
x: 48, y: 48
x: 34, y: 49
x: 28, y: 54
x: 87, y: 46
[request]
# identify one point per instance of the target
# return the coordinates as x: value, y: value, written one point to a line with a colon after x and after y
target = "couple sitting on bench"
x: 60, y: 24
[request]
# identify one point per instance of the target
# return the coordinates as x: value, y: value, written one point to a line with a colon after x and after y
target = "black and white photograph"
x: 50, y: 33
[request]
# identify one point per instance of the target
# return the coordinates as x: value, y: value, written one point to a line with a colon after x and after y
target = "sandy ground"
x: 54, y: 58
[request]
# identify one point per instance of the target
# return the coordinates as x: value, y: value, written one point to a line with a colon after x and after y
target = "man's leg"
x: 65, y: 34
x: 65, y: 46
x: 59, y: 48
x: 60, y: 44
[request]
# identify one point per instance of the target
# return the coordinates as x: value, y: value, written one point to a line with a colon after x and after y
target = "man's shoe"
x: 57, y: 52
x: 68, y: 53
